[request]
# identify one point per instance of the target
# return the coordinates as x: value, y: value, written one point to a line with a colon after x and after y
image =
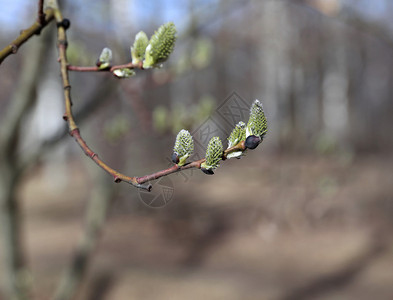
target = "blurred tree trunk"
x: 17, y: 286
x: 95, y: 218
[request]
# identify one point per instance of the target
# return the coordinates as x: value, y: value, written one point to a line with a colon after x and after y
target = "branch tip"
x: 25, y: 35
x: 146, y: 187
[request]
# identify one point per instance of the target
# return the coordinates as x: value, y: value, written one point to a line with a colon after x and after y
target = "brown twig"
x: 170, y: 170
x: 25, y: 35
x: 108, y: 69
x: 68, y: 116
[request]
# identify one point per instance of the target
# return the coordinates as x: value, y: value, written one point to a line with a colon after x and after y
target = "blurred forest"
x: 306, y: 215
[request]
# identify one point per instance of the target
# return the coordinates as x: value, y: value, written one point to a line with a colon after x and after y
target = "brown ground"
x: 284, y: 227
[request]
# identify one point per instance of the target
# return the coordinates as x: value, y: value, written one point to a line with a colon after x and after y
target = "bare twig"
x: 68, y: 116
x: 101, y: 94
x: 26, y: 34
x: 41, y: 14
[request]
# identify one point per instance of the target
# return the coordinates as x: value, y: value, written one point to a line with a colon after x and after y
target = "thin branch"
x: 68, y: 116
x: 101, y: 94
x: 108, y: 69
x: 175, y: 168
x: 75, y: 132
x: 117, y: 176
x: 25, y: 35
x: 86, y: 69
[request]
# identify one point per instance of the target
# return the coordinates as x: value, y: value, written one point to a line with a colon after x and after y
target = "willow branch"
x: 68, y: 116
x: 100, y: 95
x: 75, y: 132
x: 25, y: 35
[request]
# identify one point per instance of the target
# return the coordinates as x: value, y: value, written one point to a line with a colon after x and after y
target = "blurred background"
x: 306, y: 215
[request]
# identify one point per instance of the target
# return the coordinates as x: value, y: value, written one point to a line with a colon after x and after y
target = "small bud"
x: 207, y: 171
x: 66, y: 24
x: 213, y: 154
x: 124, y: 73
x: 252, y: 141
x: 139, y: 47
x: 257, y: 124
x: 184, y: 146
x: 237, y: 135
x: 105, y: 58
x: 175, y: 158
x: 160, y: 46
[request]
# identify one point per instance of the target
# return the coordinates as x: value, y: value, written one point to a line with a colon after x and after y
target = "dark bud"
x: 14, y: 48
x: 208, y: 172
x: 252, y: 142
x: 98, y: 63
x: 66, y: 23
x: 175, y: 158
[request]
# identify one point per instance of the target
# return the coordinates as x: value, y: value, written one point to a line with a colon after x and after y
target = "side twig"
x: 25, y: 35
